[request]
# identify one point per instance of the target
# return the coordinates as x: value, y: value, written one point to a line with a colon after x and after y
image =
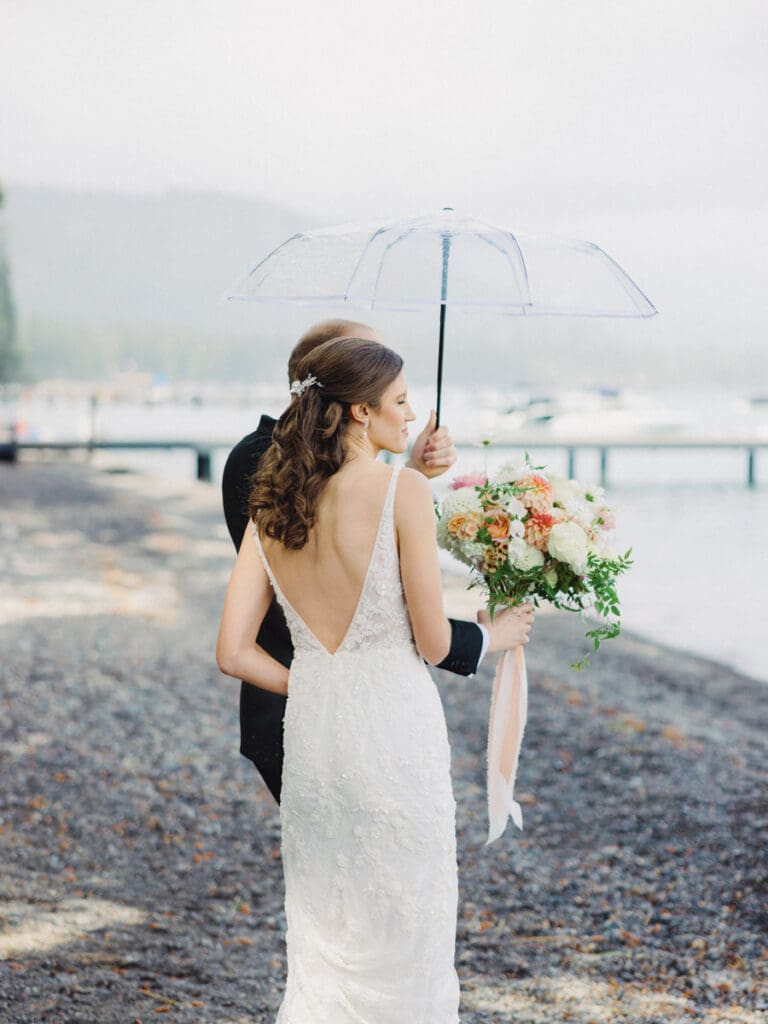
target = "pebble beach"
x: 140, y: 872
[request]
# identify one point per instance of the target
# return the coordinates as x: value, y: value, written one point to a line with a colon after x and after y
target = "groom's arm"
x: 469, y: 642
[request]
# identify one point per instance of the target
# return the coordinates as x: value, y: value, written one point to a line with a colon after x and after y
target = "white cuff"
x: 484, y: 649
x: 486, y: 640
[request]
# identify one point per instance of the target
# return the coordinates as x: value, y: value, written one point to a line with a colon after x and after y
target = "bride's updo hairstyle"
x: 308, y: 440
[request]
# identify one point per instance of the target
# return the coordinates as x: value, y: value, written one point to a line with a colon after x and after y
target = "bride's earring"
x: 365, y: 427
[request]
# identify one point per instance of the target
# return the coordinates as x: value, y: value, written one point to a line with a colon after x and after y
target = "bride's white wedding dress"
x: 368, y: 818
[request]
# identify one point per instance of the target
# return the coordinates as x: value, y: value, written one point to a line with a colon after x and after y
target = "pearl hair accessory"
x: 298, y: 387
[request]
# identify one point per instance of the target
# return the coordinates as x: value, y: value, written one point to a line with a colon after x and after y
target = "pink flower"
x: 476, y: 479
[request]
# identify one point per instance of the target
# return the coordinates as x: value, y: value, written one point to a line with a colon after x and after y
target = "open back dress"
x: 368, y: 817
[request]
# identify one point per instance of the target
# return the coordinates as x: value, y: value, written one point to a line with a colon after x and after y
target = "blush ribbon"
x: 509, y: 710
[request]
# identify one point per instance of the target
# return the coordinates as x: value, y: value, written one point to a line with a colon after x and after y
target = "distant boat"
x: 600, y: 413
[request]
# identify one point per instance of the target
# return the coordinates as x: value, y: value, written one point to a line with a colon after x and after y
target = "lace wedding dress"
x: 368, y: 818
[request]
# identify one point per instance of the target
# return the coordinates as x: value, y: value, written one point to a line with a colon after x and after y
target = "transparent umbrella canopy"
x: 444, y: 261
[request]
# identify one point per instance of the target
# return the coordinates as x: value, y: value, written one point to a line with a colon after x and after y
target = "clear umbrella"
x: 446, y: 260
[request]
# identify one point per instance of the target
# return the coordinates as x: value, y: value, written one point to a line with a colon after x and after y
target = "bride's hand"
x: 433, y: 450
x: 510, y: 627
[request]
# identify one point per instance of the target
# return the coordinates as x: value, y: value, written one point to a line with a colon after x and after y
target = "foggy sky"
x: 641, y: 126
x: 528, y: 108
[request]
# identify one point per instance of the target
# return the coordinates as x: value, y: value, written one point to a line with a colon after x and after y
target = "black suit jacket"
x: 261, y: 711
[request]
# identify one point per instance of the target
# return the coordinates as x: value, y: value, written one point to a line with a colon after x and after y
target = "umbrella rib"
x: 526, y: 281
x: 269, y: 256
x: 394, y: 242
x: 384, y: 228
x: 360, y: 258
x: 623, y: 277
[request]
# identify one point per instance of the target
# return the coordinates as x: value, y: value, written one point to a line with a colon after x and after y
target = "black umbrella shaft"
x: 443, y: 299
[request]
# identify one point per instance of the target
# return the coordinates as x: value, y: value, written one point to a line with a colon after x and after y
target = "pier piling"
x: 204, y: 465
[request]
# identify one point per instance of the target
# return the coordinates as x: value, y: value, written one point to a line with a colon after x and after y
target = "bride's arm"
x: 419, y: 568
x: 249, y: 595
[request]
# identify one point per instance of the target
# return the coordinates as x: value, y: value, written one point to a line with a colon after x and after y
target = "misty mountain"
x: 108, y: 281
x: 154, y: 260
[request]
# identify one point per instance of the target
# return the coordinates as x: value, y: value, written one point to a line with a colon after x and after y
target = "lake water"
x: 699, y: 536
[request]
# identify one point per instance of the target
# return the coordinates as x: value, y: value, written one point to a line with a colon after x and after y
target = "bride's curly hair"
x: 308, y: 441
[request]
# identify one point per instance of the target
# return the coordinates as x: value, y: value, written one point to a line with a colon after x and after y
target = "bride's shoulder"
x: 413, y: 492
x: 413, y: 481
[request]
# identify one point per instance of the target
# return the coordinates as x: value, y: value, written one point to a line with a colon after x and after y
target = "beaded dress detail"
x: 368, y: 817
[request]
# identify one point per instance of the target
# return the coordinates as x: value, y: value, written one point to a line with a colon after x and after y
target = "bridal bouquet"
x: 528, y: 535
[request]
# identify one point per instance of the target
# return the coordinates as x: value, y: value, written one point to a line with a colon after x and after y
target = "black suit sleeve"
x: 261, y: 711
x: 466, y: 647
x: 242, y: 462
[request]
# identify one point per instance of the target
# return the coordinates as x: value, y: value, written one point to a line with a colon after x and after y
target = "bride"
x: 347, y: 546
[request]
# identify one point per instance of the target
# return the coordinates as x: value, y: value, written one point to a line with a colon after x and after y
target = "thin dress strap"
x: 389, y: 500
x: 263, y: 557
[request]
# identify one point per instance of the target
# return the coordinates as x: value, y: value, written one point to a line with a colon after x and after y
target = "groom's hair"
x: 318, y: 334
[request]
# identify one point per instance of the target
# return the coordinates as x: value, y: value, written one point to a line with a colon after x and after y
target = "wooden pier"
x: 750, y: 447
x: 10, y: 450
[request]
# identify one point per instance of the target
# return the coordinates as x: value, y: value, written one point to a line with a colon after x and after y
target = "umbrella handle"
x: 440, y: 365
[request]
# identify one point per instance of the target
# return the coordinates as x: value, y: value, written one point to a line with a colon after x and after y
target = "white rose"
x: 524, y: 556
x: 568, y: 543
x: 463, y: 500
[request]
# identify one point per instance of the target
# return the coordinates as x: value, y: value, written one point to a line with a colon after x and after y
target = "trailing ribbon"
x: 509, y: 710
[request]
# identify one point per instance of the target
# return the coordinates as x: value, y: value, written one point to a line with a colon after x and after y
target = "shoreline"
x: 459, y: 602
x: 139, y: 853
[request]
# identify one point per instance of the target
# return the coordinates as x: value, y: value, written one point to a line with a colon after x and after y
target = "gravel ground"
x: 140, y: 868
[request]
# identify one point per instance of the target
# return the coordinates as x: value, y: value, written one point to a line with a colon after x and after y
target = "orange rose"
x: 455, y: 523
x: 463, y: 526
x: 498, y: 527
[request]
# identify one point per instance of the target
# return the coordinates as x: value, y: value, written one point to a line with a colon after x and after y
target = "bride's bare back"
x: 323, y: 580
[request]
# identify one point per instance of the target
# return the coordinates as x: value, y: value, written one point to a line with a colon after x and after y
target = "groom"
x: 261, y: 711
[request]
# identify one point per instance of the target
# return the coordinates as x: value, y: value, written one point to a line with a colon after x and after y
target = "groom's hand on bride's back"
x: 433, y: 450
